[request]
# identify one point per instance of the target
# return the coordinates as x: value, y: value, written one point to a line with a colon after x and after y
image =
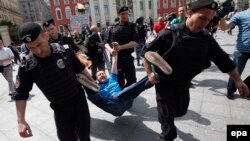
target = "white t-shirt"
x: 5, y: 53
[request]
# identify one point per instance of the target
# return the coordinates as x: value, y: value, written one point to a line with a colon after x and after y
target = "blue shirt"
x: 110, y: 87
x: 242, y: 20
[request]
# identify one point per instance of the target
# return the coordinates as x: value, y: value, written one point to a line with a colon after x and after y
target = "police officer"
x: 189, y: 49
x: 56, y: 37
x: 123, y: 38
x: 52, y: 67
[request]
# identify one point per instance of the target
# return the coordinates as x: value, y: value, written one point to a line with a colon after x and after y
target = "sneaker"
x: 230, y: 96
x: 158, y: 61
x: 87, y: 83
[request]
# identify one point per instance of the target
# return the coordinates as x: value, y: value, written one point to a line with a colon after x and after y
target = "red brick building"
x: 62, y: 10
x: 168, y: 6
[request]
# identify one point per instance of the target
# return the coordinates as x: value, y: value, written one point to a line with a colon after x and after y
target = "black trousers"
x: 171, y: 102
x: 126, y: 71
x: 73, y: 121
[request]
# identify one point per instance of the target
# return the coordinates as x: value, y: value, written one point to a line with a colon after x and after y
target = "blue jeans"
x: 240, y: 58
x: 123, y: 101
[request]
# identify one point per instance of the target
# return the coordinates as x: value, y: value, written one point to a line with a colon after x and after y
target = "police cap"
x: 29, y: 31
x: 197, y: 4
x: 122, y: 9
x: 48, y: 22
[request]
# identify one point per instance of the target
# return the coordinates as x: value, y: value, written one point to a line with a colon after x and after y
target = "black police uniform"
x: 55, y: 77
x: 188, y: 56
x: 63, y: 40
x: 123, y: 34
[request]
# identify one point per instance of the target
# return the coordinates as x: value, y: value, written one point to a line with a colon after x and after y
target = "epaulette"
x: 29, y: 61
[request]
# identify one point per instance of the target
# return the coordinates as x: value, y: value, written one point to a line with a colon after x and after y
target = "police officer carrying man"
x: 189, y: 49
x: 52, y: 67
x: 123, y: 38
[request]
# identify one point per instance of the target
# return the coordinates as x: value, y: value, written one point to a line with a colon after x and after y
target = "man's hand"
x: 24, y: 129
x: 242, y: 88
x: 115, y: 46
x: 152, y: 79
x: 113, y: 52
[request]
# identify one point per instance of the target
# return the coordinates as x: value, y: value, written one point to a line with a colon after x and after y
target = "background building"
x: 34, y: 10
x: 165, y: 7
x: 9, y: 11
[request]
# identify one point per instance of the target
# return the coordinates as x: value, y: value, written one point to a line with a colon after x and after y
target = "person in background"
x: 159, y: 26
x: 142, y: 32
x: 182, y: 16
x: 6, y: 69
x: 95, y: 51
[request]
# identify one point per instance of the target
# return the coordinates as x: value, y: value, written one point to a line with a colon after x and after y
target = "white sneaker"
x: 158, y: 61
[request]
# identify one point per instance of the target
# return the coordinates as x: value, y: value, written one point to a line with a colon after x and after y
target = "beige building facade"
x: 9, y: 10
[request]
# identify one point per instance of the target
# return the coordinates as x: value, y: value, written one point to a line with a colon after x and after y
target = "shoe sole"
x: 86, y: 82
x: 161, y: 64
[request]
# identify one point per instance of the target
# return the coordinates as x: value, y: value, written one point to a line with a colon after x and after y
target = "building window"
x: 141, y: 5
x: 60, y: 28
x: 66, y: 1
x: 76, y: 11
x: 56, y: 2
x: 97, y: 10
x: 67, y: 12
x: 181, y: 2
x: 165, y: 4
x: 149, y: 4
x: 173, y: 3
x: 106, y: 10
x: 58, y: 13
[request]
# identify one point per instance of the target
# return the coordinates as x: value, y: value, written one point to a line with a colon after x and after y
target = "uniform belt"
x: 6, y: 66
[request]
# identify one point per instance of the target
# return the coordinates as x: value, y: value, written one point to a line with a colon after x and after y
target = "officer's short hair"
x: 122, y: 9
x: 29, y: 31
x: 198, y: 4
x: 48, y: 22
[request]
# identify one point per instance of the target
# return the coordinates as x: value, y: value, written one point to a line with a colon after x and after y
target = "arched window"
x: 67, y: 12
x: 56, y: 2
x: 58, y: 13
